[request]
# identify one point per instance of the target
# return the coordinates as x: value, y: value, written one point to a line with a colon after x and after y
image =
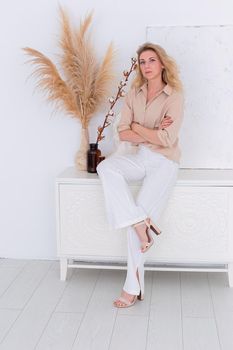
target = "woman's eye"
x: 152, y: 60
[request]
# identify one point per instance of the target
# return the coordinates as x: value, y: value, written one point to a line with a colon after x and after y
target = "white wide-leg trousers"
x: 159, y: 176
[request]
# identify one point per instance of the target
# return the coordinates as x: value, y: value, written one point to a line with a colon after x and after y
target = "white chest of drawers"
x: 197, y: 224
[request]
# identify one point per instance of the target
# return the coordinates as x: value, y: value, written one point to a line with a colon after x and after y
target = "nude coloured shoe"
x: 145, y: 245
x: 140, y: 296
x: 122, y: 302
x: 153, y: 227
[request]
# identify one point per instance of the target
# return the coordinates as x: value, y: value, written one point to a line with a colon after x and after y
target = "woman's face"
x: 150, y: 65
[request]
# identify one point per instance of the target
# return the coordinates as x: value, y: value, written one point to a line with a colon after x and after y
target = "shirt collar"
x: 167, y: 89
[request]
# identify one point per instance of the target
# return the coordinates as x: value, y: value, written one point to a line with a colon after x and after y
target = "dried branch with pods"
x: 113, y: 100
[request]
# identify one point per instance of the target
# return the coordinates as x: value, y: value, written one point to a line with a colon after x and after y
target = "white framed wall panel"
x: 205, y: 57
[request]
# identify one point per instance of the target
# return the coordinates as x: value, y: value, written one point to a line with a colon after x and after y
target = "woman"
x: 151, y: 118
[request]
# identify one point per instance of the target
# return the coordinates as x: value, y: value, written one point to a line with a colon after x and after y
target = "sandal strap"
x: 146, y: 221
x: 125, y: 301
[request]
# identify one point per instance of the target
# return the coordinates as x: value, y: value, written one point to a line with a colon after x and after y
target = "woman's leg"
x: 114, y: 173
x: 157, y: 187
x: 122, y: 211
x: 160, y: 176
x: 134, y: 283
x: 153, y: 196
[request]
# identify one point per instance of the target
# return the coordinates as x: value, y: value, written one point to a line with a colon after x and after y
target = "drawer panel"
x: 83, y: 223
x: 194, y: 225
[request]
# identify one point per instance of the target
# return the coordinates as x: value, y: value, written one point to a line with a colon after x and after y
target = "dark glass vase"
x: 93, y: 158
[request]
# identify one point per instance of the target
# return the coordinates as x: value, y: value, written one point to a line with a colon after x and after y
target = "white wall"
x: 36, y: 145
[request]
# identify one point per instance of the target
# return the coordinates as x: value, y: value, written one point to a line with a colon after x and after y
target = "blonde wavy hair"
x: 170, y: 73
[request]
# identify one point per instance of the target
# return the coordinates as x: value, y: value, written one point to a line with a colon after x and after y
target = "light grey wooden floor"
x: 188, y: 311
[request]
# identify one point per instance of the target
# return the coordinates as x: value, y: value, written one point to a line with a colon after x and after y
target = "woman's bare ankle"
x: 140, y: 229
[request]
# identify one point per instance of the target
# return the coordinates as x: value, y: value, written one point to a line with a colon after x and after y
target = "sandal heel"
x: 140, y: 296
x: 155, y: 229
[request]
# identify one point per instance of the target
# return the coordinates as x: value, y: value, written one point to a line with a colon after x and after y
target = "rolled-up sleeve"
x: 126, y: 113
x: 175, y: 110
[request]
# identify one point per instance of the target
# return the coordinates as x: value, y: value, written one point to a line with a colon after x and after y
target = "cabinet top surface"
x: 204, y: 177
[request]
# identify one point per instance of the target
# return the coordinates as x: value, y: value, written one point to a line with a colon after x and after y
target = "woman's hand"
x: 134, y: 126
x: 165, y: 123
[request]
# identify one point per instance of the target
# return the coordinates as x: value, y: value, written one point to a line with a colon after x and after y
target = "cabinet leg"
x: 63, y: 268
x: 230, y: 274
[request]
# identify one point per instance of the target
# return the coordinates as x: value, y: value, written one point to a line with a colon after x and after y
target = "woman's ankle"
x: 127, y: 295
x: 141, y: 231
x: 139, y: 223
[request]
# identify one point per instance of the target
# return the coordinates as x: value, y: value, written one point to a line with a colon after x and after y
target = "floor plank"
x: 196, y: 297
x: 200, y: 334
x: 77, y: 294
x: 60, y: 332
x: 97, y: 326
x: 224, y: 322
x: 165, y: 323
x: 7, y: 318
x: 222, y: 294
x: 7, y: 277
x: 34, y: 318
x: 130, y: 332
x: 222, y: 297
x: 23, y: 286
x: 18, y: 263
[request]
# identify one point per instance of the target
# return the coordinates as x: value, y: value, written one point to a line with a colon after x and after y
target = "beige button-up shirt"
x: 168, y: 103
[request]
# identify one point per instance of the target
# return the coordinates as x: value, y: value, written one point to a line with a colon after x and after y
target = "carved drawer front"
x: 194, y: 225
x: 83, y: 225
